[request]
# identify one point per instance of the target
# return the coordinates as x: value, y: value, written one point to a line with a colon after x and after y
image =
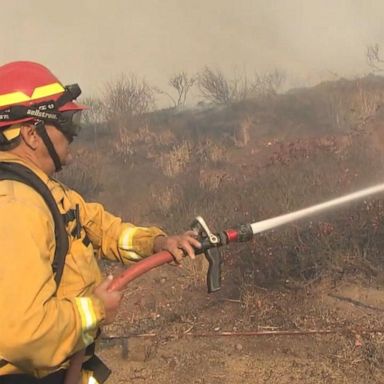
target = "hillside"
x: 243, y: 163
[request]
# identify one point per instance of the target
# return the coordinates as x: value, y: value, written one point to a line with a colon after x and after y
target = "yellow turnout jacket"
x: 39, y: 326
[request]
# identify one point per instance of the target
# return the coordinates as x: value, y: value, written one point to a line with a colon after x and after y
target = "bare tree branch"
x: 217, y: 89
x: 128, y: 97
x: 182, y: 83
x: 373, y: 57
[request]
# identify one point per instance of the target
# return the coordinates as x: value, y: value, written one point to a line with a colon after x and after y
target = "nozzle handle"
x: 214, y: 270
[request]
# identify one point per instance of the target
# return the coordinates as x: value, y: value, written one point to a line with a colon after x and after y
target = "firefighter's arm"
x: 38, y: 330
x: 117, y: 240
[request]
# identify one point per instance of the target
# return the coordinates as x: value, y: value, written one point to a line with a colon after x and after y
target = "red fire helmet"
x: 27, y: 83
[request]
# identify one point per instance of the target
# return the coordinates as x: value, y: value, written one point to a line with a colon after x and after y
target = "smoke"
x: 93, y: 42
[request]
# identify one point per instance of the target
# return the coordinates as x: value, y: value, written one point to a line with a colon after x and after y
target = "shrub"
x: 175, y: 161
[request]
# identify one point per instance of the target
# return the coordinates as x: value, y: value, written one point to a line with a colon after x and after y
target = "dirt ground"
x: 171, y: 331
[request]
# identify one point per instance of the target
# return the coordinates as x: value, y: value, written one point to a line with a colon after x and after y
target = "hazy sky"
x: 94, y: 41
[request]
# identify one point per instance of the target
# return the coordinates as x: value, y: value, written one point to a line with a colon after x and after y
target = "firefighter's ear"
x: 29, y: 135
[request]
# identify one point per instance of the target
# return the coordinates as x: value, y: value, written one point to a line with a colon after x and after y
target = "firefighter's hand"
x: 110, y: 299
x: 178, y: 245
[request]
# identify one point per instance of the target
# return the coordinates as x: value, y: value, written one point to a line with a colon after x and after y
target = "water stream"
x: 275, y: 222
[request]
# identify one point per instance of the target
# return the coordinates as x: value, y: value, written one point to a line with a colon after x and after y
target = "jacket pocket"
x: 81, y: 271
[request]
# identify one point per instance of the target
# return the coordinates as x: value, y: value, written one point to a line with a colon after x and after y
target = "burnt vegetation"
x: 246, y: 154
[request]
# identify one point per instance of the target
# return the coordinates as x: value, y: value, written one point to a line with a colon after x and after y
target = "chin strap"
x: 42, y: 132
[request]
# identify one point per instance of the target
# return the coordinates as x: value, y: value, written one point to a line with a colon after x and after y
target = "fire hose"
x: 210, y: 244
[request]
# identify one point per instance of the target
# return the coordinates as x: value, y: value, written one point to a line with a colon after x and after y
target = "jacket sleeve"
x: 38, y: 330
x: 116, y: 239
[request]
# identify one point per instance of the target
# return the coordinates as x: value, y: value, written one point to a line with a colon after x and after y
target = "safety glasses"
x: 69, y: 123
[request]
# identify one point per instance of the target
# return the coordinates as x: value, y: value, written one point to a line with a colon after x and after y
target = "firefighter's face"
x: 61, y: 144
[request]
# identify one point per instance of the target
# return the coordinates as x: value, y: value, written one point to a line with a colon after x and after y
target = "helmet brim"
x: 70, y: 106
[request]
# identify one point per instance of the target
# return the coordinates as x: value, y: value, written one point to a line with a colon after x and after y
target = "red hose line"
x: 138, y: 269
x: 118, y: 284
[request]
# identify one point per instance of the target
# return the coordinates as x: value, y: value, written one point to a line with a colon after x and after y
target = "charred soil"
x: 172, y: 331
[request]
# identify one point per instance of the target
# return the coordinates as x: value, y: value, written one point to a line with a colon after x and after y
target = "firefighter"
x: 51, y: 308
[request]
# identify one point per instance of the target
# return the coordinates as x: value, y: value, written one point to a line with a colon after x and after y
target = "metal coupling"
x: 245, y: 233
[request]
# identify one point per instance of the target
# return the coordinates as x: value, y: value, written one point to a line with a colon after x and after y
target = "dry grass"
x: 242, y: 132
x: 175, y: 161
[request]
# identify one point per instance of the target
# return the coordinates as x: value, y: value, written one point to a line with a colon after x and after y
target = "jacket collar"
x: 54, y: 186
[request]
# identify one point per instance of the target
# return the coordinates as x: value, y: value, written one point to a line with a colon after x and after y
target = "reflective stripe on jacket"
x: 40, y: 329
